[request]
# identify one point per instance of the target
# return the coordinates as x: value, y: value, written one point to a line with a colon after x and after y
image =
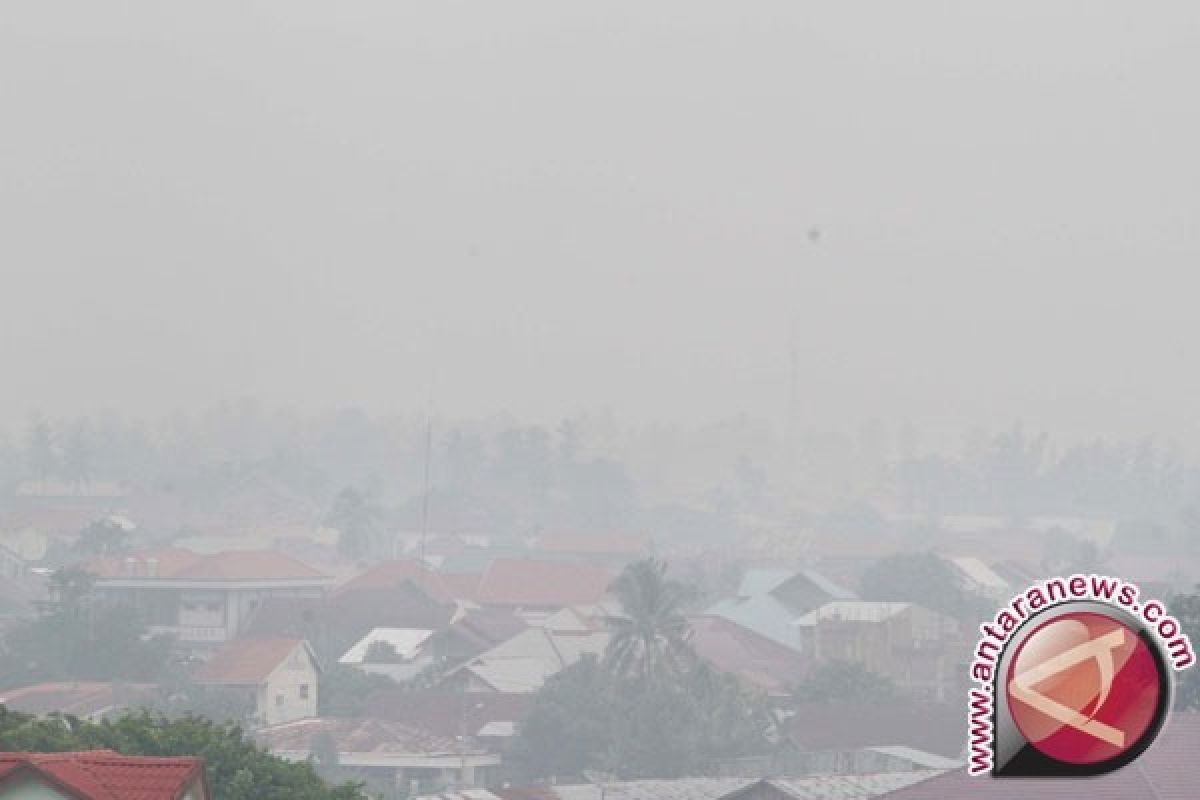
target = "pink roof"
x: 81, y: 698
x: 184, y: 565
x: 106, y: 775
x: 1167, y: 771
x: 756, y: 659
x: 246, y: 662
x: 390, y: 574
x: 548, y: 584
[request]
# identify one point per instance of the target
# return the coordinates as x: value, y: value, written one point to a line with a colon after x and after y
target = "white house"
x: 280, y: 677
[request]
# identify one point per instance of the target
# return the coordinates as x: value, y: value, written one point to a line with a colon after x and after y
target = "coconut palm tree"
x: 650, y: 638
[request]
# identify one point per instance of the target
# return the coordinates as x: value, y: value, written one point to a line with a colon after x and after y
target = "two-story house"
x: 918, y: 649
x: 204, y: 600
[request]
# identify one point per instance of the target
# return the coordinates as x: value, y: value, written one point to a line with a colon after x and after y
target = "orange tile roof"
x: 390, y: 574
x: 184, y: 565
x: 555, y: 584
x: 246, y: 662
x: 81, y: 698
x: 106, y: 775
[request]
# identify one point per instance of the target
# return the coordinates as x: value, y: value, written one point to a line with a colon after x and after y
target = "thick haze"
x: 966, y: 215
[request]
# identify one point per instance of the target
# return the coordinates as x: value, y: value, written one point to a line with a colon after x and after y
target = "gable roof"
x: 175, y: 564
x: 852, y: 611
x: 1166, y: 771
x: 356, y: 735
x: 81, y: 698
x: 405, y: 641
x: 248, y: 662
x: 524, y: 662
x: 390, y: 574
x: 832, y: 787
x: 106, y: 775
x: 761, y: 613
x: 754, y: 658
x: 526, y: 582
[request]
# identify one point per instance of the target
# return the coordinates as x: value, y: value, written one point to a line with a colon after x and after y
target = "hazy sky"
x: 557, y: 206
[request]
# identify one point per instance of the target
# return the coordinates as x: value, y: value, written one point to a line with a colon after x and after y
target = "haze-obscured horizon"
x: 952, y: 216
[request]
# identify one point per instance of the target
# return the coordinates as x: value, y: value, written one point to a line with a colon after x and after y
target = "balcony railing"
x: 192, y: 633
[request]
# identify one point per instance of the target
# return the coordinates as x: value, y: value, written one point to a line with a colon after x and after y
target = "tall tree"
x: 358, y: 521
x: 924, y: 579
x: 651, y: 635
x: 39, y: 450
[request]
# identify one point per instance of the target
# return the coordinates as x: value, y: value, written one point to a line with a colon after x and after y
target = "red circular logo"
x: 1084, y: 688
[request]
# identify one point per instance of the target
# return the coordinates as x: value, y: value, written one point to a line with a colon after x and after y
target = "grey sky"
x: 571, y: 206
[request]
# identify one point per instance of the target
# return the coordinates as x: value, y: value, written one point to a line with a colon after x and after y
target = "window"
x: 279, y: 699
x: 304, y: 691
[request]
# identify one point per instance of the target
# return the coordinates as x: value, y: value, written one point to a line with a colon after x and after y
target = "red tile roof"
x: 546, y: 584
x: 184, y: 565
x: 751, y: 656
x: 390, y: 574
x: 82, y: 698
x: 1169, y: 770
x: 246, y: 662
x: 105, y: 775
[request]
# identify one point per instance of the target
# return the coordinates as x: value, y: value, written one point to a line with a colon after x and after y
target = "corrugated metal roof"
x: 405, y: 641
x: 852, y: 611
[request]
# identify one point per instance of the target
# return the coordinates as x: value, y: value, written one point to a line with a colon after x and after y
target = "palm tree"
x: 650, y: 638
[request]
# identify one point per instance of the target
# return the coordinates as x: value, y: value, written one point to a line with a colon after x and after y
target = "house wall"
x: 285, y: 697
x: 914, y: 648
x: 31, y: 788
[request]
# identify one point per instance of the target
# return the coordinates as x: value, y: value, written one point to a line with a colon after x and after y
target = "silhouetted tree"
x: 651, y: 635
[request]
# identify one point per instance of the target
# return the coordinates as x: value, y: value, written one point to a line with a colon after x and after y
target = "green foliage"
x: 653, y: 726
x: 650, y: 708
x: 101, y: 538
x: 78, y: 639
x: 358, y: 521
x: 837, y: 682
x: 237, y: 768
x: 344, y: 691
x: 381, y: 652
x: 924, y: 579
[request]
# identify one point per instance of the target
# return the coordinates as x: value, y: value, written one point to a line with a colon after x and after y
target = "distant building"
x: 757, y: 660
x: 916, y: 648
x: 544, y: 586
x: 524, y: 662
x: 832, y: 787
x: 407, y: 653
x: 277, y: 677
x: 1166, y: 771
x: 391, y: 756
x: 100, y: 775
x: 768, y: 601
x: 202, y: 600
